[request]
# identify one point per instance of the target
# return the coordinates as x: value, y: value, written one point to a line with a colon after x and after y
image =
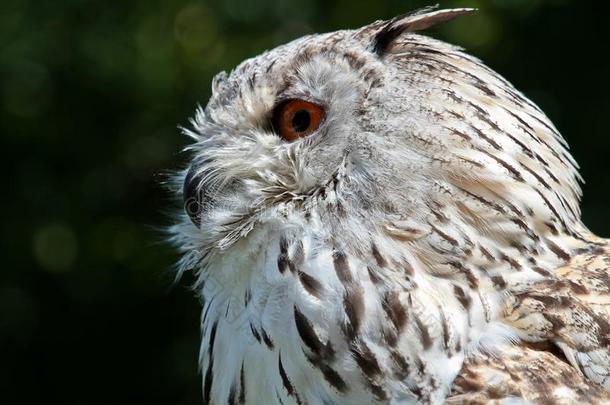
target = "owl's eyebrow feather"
x: 412, y: 22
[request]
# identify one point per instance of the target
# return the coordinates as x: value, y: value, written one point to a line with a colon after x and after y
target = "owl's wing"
x: 523, y: 374
x: 571, y: 310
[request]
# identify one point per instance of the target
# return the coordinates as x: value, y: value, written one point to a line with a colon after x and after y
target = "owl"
x: 374, y: 216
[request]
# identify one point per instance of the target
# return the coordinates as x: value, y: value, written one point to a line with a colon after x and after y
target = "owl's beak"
x: 193, y: 195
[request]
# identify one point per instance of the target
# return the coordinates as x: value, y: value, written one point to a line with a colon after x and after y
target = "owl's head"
x: 374, y: 126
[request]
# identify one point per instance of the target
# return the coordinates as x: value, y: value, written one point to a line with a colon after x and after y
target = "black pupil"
x: 300, y: 121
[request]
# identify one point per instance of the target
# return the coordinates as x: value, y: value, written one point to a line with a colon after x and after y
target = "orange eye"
x: 294, y: 119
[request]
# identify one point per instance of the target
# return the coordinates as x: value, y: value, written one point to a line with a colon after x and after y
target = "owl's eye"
x: 294, y: 119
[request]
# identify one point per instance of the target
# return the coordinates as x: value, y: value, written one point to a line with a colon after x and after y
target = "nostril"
x: 192, y: 196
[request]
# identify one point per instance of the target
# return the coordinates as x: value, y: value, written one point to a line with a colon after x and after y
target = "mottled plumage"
x: 423, y: 244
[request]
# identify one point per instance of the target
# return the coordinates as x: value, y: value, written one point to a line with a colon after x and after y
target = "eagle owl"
x: 374, y: 216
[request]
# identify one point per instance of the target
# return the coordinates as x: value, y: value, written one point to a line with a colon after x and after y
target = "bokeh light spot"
x: 55, y: 247
x: 195, y: 29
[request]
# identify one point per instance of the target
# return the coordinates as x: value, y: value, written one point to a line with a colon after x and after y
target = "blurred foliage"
x: 91, y: 95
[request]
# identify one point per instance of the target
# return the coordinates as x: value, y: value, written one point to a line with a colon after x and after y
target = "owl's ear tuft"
x: 388, y: 31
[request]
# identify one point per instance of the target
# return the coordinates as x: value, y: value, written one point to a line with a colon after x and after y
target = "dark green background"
x: 91, y: 94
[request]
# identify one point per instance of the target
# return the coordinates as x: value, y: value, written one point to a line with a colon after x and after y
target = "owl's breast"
x: 298, y: 314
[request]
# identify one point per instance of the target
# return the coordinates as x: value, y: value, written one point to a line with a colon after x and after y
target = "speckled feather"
x: 422, y: 244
